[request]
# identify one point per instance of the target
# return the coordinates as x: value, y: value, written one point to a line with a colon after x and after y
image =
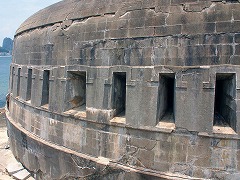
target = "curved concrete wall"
x: 133, y: 89
x: 92, y: 33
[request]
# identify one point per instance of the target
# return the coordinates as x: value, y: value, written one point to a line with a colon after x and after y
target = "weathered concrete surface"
x: 8, y: 164
x: 14, y: 167
x: 64, y: 163
x: 152, y: 86
x: 22, y: 175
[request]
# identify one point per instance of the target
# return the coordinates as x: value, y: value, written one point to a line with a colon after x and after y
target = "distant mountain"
x: 7, y: 44
x: 3, y: 50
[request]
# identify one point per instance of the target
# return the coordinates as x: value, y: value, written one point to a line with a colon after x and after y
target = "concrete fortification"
x: 128, y: 89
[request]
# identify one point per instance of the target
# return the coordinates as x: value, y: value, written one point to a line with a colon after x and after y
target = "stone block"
x: 129, y: 6
x: 176, y: 19
x: 161, y: 3
x: 185, y: 18
x: 218, y: 14
x: 93, y: 35
x: 117, y: 24
x: 235, y: 12
x: 163, y: 166
x: 233, y: 144
x: 168, y: 30
x: 148, y: 4
x: 226, y: 50
x: 145, y: 158
x: 162, y: 9
x: 220, y: 159
x: 182, y: 168
x: 237, y: 50
x: 204, y: 161
x: 143, y: 143
x: 101, y: 26
x: 200, y: 28
x: 115, y: 34
x: 226, y: 39
x: 22, y: 175
x: 225, y: 59
x: 138, y: 13
x: 227, y: 26
x: 237, y: 38
x: 14, y: 168
x: 136, y: 23
x: 197, y: 7
x: 197, y: 172
x: 178, y: 157
x: 140, y: 32
x: 155, y: 21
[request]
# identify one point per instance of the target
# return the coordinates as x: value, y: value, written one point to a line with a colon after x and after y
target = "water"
x: 4, y: 78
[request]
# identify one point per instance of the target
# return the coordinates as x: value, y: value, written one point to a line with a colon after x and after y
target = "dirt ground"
x: 6, y: 155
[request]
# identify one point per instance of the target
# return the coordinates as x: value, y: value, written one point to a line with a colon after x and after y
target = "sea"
x: 5, y: 62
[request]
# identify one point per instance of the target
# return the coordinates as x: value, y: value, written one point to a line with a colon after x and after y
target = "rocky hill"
x: 7, y: 44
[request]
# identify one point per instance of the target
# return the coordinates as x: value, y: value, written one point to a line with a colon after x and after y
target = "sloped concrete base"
x: 50, y: 161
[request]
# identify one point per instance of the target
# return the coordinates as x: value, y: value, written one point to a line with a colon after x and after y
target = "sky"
x: 14, y: 12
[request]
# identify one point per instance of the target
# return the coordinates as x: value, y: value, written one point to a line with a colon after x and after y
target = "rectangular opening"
x: 76, y: 94
x: 166, y: 98
x: 45, y: 88
x: 12, y: 79
x: 232, y: 1
x: 225, y: 101
x: 119, y: 93
x: 77, y: 88
x: 18, y: 81
x: 29, y: 85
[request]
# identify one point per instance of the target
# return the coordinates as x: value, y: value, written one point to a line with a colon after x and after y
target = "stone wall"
x: 189, y: 153
x: 188, y: 33
x: 194, y: 87
x: 145, y: 88
x: 140, y: 141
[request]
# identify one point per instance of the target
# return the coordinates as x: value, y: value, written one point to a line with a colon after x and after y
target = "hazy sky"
x: 14, y: 12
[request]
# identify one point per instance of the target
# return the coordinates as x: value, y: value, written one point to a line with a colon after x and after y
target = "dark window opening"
x: 29, y: 85
x: 77, y: 88
x: 12, y: 79
x: 45, y: 87
x: 18, y: 81
x: 119, y: 93
x: 232, y: 1
x: 225, y: 104
x: 166, y: 98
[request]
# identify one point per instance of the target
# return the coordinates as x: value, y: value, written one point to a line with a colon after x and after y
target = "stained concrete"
x: 9, y: 166
x: 71, y: 120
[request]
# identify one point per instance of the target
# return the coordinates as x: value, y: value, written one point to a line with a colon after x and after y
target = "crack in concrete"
x: 66, y: 18
x: 205, y: 7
